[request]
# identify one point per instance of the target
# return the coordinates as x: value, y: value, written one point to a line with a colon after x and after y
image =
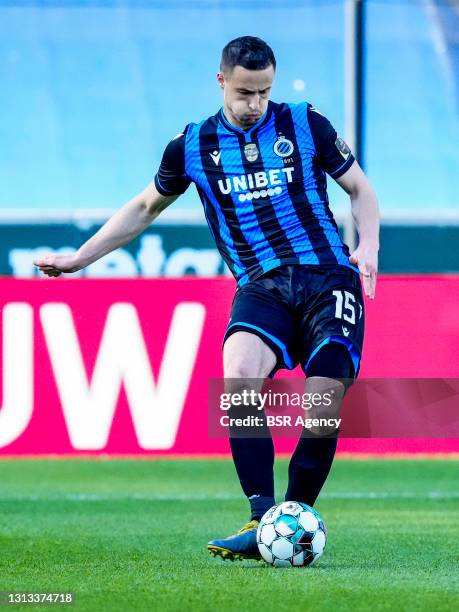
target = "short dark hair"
x: 249, y: 52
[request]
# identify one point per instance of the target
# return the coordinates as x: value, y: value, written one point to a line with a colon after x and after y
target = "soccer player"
x: 260, y: 170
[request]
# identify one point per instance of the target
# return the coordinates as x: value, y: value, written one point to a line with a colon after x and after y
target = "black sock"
x: 254, y: 461
x: 313, y: 457
x: 259, y: 505
x: 309, y: 468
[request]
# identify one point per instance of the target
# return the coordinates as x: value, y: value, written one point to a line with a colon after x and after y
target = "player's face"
x: 246, y: 94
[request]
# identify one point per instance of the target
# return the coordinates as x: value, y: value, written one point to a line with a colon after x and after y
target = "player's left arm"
x: 335, y: 157
x: 365, y: 212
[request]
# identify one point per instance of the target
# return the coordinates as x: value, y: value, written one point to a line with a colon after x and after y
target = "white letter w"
x: 123, y: 358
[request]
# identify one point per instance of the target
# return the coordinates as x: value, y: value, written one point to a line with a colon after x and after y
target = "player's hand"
x: 365, y: 257
x: 53, y: 264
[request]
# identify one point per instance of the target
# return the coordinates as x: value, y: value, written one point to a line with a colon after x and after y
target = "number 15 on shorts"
x: 345, y: 306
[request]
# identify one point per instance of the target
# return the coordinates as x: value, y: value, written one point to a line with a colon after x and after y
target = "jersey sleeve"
x: 333, y: 154
x: 171, y: 178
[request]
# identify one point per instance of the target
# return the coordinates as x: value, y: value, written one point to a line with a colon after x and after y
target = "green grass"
x: 131, y: 535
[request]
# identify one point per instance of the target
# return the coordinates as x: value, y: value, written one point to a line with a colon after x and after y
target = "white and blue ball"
x: 291, y: 534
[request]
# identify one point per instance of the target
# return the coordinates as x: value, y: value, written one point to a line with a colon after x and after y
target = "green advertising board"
x: 186, y: 248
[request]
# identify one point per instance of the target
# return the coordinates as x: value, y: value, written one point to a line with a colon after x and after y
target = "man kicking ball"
x: 260, y: 170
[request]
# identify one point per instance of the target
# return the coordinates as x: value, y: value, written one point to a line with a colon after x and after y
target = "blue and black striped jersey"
x: 264, y: 190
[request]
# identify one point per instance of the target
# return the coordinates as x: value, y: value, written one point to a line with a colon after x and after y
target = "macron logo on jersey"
x: 216, y: 157
x: 267, y: 182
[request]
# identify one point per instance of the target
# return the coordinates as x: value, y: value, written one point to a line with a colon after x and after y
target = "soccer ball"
x: 291, y: 534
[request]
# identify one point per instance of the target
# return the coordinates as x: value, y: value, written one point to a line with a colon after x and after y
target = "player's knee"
x: 241, y: 369
x: 241, y: 377
x: 332, y: 361
x: 244, y: 364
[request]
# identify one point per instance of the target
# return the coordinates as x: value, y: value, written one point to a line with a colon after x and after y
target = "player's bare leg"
x: 245, y: 355
x: 247, y: 362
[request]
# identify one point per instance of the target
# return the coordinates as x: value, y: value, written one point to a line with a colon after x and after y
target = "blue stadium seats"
x: 92, y: 91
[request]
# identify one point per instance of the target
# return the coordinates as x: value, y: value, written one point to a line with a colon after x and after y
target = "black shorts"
x: 297, y: 309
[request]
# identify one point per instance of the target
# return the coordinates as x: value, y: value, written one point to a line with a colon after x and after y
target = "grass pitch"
x: 131, y: 535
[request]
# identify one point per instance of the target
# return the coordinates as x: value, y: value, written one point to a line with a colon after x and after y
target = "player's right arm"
x: 130, y: 220
x: 127, y: 223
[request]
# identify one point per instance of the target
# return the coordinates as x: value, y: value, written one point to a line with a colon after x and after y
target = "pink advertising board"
x: 122, y: 366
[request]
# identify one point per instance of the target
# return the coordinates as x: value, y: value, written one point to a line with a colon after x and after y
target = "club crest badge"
x: 283, y: 147
x: 251, y: 152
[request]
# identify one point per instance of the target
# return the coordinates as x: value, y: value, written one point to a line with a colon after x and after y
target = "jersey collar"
x: 246, y: 133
